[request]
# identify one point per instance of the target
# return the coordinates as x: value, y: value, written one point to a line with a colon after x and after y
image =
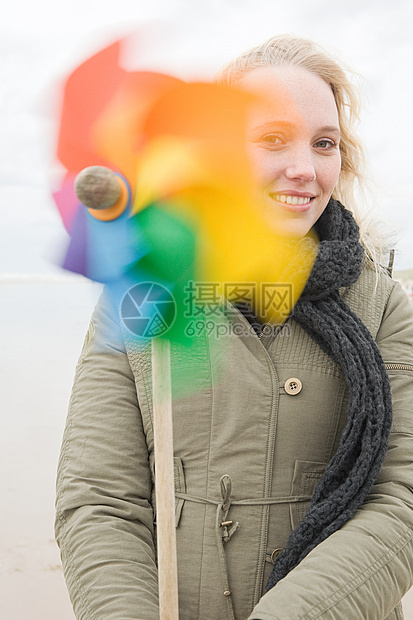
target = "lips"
x: 292, y: 199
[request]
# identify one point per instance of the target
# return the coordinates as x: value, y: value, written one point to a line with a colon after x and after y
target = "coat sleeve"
x: 364, y: 569
x: 104, y: 516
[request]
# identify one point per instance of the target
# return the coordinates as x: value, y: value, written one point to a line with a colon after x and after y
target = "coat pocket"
x: 305, y: 478
x: 180, y: 487
x: 179, y: 484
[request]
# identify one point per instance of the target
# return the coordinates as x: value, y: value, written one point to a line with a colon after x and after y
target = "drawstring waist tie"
x: 225, y: 528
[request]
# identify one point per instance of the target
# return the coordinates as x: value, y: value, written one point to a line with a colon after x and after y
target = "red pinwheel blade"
x: 86, y: 94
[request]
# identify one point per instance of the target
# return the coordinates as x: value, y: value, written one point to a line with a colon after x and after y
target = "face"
x: 293, y: 144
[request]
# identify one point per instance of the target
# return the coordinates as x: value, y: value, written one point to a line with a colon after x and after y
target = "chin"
x: 293, y: 230
x: 290, y: 222
x: 296, y: 226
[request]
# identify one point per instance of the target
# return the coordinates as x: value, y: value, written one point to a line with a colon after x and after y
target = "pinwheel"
x: 162, y: 168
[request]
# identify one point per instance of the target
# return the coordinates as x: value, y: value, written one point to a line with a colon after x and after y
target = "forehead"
x: 292, y: 94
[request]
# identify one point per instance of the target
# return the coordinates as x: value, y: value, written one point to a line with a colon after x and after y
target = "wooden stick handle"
x: 164, y: 480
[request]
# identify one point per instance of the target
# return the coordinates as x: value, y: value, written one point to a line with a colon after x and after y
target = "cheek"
x: 264, y: 167
x: 328, y: 174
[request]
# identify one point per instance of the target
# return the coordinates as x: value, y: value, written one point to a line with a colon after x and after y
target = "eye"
x: 271, y: 139
x: 326, y: 144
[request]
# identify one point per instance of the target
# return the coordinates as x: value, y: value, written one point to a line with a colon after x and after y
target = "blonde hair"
x: 300, y: 52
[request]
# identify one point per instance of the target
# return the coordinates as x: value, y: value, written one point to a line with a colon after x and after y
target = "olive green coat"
x: 250, y: 444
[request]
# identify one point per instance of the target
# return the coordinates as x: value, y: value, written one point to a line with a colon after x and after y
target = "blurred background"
x: 44, y: 312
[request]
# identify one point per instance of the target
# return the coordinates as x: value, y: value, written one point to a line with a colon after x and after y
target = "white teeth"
x: 292, y: 200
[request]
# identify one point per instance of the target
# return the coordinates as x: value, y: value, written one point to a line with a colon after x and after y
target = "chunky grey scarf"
x: 322, y: 313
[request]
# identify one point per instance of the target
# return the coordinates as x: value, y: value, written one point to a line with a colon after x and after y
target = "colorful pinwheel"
x: 188, y: 208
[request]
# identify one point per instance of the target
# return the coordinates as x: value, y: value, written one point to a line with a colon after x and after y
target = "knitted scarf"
x: 341, y: 334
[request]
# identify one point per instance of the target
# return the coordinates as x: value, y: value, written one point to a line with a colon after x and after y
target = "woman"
x: 293, y: 480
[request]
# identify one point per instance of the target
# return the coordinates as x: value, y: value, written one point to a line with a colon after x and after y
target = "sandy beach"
x: 43, y: 327
x: 44, y: 324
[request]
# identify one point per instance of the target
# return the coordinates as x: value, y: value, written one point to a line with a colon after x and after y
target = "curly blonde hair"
x: 287, y: 49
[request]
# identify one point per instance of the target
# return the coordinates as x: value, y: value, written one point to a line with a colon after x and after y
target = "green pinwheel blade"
x: 169, y: 262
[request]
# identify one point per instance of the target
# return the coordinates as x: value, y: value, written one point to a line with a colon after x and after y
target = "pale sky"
x: 40, y: 41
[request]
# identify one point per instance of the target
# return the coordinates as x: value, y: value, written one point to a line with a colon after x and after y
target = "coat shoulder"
x: 369, y: 295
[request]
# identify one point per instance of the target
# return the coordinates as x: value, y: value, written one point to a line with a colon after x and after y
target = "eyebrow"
x: 289, y: 125
x: 329, y: 128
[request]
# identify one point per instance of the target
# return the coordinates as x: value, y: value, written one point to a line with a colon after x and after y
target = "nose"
x: 300, y: 164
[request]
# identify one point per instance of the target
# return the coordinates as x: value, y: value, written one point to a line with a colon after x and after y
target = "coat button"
x: 275, y: 553
x: 293, y: 386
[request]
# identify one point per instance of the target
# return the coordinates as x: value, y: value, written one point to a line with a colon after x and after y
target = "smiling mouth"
x: 292, y: 200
